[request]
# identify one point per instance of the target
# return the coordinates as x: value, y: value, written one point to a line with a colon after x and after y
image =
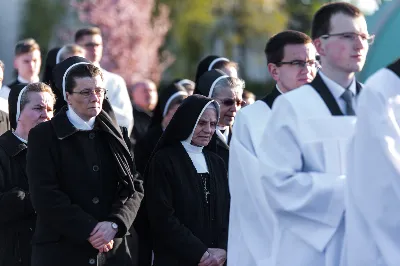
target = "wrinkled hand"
x: 219, y: 253
x: 107, y: 248
x: 102, y: 235
x: 209, y: 259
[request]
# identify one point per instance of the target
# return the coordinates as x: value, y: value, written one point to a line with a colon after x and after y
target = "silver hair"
x: 228, y: 83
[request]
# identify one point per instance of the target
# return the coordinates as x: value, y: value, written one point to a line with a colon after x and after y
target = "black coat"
x: 220, y: 148
x: 17, y: 217
x: 74, y: 185
x: 176, y: 207
x: 4, y: 122
x: 143, y: 151
x: 142, y: 121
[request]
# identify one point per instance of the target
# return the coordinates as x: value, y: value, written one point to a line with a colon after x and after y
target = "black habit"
x: 169, y: 96
x: 204, y: 87
x: 142, y: 122
x: 76, y: 180
x: 185, y: 220
x: 17, y: 217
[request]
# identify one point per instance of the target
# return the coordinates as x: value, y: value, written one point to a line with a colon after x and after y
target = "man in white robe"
x: 373, y: 194
x: 303, y: 151
x: 91, y: 40
x: 251, y: 226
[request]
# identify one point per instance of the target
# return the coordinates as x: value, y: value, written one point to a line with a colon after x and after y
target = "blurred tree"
x: 301, y: 13
x: 133, y: 33
x: 40, y: 19
x: 199, y: 24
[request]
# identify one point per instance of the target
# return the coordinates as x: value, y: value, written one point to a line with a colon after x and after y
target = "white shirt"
x: 223, y: 136
x: 196, y: 155
x: 338, y: 90
x: 78, y: 122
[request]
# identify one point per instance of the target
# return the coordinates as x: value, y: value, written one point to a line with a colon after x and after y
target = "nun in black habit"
x: 83, y: 181
x: 187, y: 190
x: 169, y: 100
x: 58, y: 77
x: 216, y: 62
x: 28, y: 105
x: 227, y: 91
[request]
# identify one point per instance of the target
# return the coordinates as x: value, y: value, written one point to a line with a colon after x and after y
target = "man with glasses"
x: 291, y: 58
x: 303, y: 149
x: 91, y: 40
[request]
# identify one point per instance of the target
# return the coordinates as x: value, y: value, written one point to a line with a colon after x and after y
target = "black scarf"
x: 120, y: 151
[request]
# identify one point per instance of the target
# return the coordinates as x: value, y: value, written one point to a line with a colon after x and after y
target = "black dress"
x: 17, y: 217
x: 188, y: 212
x: 142, y: 122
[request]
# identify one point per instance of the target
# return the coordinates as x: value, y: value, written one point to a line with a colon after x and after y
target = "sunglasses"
x: 230, y: 102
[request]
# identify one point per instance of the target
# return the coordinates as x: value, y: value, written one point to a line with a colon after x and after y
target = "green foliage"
x: 40, y: 19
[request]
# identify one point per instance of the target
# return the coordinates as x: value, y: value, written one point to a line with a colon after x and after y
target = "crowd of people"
x: 200, y: 173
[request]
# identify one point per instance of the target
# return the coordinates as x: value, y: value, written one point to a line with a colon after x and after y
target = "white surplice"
x: 250, y: 223
x: 303, y: 169
x: 373, y: 198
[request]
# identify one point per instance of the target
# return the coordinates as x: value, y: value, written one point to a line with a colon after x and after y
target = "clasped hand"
x: 102, y: 236
x: 213, y: 257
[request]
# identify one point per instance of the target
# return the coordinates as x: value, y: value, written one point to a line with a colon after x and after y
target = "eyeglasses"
x: 352, y: 36
x: 88, y: 92
x: 230, y: 102
x: 298, y: 63
x: 92, y: 44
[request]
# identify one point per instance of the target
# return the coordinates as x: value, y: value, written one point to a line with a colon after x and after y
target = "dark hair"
x: 81, y: 71
x: 87, y: 31
x: 274, y: 49
x: 26, y: 46
x: 2, y: 65
x: 321, y: 23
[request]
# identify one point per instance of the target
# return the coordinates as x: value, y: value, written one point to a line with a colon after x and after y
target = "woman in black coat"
x: 29, y: 106
x: 82, y: 178
x: 187, y: 194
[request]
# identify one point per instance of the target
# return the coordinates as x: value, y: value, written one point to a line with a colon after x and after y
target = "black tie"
x: 347, y: 96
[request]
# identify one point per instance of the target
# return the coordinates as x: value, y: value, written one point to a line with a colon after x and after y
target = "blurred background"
x: 167, y: 38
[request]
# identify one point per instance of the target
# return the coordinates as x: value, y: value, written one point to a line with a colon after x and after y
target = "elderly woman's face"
x: 38, y: 109
x: 230, y: 101
x: 87, y: 97
x: 205, y: 128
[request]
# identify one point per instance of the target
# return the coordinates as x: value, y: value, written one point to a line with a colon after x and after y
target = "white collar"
x: 21, y: 139
x: 22, y: 80
x: 78, y: 122
x: 277, y: 87
x: 190, y: 148
x: 223, y: 136
x: 335, y: 88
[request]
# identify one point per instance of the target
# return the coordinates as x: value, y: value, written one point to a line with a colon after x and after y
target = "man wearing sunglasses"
x: 304, y: 147
x: 91, y: 40
x: 291, y: 58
